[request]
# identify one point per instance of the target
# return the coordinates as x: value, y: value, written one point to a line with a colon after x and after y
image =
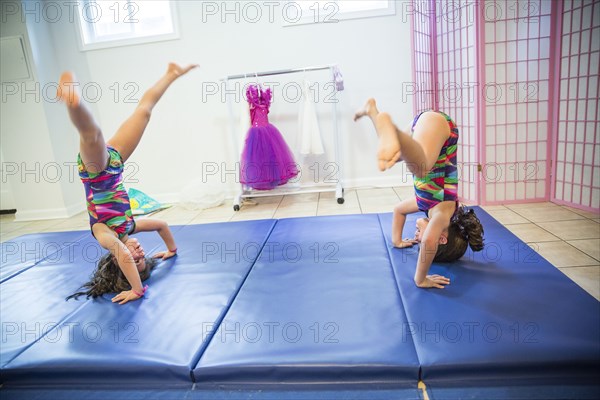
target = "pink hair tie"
x: 174, y: 251
x: 143, y: 291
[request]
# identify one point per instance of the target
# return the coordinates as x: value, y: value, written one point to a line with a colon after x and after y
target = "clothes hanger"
x: 259, y: 86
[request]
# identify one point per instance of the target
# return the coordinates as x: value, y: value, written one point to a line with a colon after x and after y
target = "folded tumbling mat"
x: 313, y: 302
x: 153, y: 342
x: 320, y: 306
x: 508, y: 317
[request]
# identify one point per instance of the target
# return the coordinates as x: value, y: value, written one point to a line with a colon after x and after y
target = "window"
x: 331, y: 11
x: 123, y: 22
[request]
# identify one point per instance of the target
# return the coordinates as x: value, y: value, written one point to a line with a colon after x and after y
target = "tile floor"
x: 569, y: 238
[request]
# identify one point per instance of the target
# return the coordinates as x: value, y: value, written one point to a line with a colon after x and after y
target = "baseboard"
x: 35, y: 215
x: 382, y: 181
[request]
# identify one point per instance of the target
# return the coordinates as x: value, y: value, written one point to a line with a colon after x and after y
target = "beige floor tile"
x: 258, y: 211
x: 586, y: 277
x: 293, y: 213
x: 369, y: 208
x: 65, y: 227
x: 489, y: 209
x: 305, y: 207
x: 338, y: 211
x: 43, y: 226
x: 507, y: 217
x: 71, y: 224
x: 328, y: 204
x: 222, y: 211
x: 6, y: 237
x: 591, y: 247
x: 545, y: 212
x: 252, y: 216
x: 405, y: 192
x: 175, y: 215
x: 531, y: 233
x: 302, y: 207
x: 329, y: 198
x: 11, y: 225
x: 573, y: 230
x: 587, y: 214
x: 293, y: 199
x: 562, y: 254
x: 379, y: 200
x: 376, y: 194
x: 264, y: 199
x: 534, y: 206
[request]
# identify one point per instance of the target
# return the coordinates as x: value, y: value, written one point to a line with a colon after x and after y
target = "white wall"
x: 189, y: 127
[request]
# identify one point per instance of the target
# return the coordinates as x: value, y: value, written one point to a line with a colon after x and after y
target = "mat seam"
x: 202, y: 349
x: 399, y: 292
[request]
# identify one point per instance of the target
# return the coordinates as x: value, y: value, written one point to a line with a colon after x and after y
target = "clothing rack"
x: 278, y: 72
x: 244, y: 192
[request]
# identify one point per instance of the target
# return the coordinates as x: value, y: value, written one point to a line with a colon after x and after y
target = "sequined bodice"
x: 259, y: 100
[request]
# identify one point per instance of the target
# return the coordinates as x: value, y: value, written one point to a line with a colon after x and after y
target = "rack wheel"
x: 340, y: 200
x: 236, y: 207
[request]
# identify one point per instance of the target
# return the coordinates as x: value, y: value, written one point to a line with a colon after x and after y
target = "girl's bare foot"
x: 369, y: 109
x: 389, y: 143
x: 178, y: 71
x: 67, y: 89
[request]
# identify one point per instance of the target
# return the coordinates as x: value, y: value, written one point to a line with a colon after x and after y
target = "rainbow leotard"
x: 107, y: 199
x: 441, y: 182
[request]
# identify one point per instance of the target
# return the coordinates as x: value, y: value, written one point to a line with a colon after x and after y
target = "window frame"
x: 340, y: 16
x: 106, y: 44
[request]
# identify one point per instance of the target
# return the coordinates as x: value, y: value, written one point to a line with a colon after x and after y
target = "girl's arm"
x: 429, y: 244
x: 149, y: 225
x: 405, y: 207
x: 107, y: 239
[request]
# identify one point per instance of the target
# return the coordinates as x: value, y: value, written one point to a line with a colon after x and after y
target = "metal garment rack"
x: 245, y: 192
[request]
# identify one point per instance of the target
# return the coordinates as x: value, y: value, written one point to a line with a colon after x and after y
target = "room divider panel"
x: 526, y: 108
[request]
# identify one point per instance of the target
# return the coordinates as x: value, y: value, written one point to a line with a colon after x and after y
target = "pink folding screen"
x: 520, y: 78
x: 444, y: 74
x: 455, y: 35
x: 516, y: 92
x: 577, y: 152
x: 423, y: 79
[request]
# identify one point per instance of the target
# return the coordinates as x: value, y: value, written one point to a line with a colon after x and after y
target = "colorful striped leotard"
x: 107, y: 199
x: 441, y: 183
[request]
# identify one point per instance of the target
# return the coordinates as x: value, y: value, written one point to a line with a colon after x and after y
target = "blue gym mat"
x: 508, y: 315
x: 317, y: 307
x: 26, y: 251
x: 155, y: 341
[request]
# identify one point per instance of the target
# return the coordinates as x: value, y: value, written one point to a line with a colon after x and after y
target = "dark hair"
x: 465, y: 229
x: 108, y: 278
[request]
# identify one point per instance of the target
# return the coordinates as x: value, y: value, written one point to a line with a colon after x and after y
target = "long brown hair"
x: 108, y: 278
x: 465, y: 230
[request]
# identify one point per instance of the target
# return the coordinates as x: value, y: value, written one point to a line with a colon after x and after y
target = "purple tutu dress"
x: 267, y: 161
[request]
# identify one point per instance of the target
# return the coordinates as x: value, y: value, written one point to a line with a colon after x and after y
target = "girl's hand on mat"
x: 165, y: 254
x: 406, y: 243
x: 125, y: 296
x: 434, y: 281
